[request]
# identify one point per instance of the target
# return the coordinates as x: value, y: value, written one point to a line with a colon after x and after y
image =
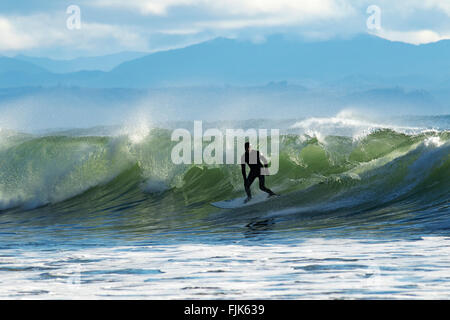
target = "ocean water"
x: 103, y: 213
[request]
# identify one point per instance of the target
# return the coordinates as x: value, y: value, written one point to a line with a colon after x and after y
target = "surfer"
x: 257, y: 162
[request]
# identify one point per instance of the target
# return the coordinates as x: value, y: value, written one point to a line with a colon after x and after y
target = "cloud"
x: 126, y: 37
x: 150, y: 25
x: 234, y: 14
x: 416, y: 37
x: 302, y: 10
x: 183, y: 32
x: 414, y: 21
x: 314, y: 19
x: 12, y: 39
x: 146, y: 7
x: 442, y: 5
x: 233, y: 18
x: 46, y: 31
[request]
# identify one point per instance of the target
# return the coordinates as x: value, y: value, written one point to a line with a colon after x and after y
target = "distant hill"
x: 99, y: 63
x: 15, y: 65
x: 16, y: 73
x: 237, y: 62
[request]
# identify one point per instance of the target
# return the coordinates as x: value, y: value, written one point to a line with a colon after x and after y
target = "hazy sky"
x: 39, y: 27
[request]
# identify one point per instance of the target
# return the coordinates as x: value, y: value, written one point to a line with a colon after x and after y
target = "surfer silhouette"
x: 258, y: 168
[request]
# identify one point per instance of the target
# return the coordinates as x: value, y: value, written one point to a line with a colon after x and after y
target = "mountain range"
x: 363, y: 59
x: 99, y: 63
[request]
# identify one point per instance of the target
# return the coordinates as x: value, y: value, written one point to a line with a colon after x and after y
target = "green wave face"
x: 111, y: 174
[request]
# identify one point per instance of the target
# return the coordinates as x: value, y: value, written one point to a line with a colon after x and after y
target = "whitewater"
x: 103, y: 213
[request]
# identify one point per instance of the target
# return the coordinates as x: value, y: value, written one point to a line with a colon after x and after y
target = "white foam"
x: 434, y: 142
x: 347, y: 123
x: 316, y: 268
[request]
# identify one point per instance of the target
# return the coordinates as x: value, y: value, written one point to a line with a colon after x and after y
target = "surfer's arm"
x: 244, y: 174
x: 263, y: 160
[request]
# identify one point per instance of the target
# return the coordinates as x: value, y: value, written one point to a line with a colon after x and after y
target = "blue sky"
x: 39, y: 28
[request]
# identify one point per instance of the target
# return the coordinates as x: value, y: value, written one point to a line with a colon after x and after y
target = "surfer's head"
x: 247, y: 146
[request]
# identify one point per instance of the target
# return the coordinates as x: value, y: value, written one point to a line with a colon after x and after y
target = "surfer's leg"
x: 251, y: 177
x: 263, y: 187
x: 247, y: 191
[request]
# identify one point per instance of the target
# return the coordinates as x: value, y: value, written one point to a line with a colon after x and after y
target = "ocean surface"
x: 103, y: 213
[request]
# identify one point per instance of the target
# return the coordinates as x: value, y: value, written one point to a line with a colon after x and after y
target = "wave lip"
x: 347, y: 123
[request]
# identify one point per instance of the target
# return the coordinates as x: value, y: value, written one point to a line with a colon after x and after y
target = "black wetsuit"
x: 255, y: 172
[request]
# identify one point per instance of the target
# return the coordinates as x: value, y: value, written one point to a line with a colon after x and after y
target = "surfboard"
x: 239, y: 202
